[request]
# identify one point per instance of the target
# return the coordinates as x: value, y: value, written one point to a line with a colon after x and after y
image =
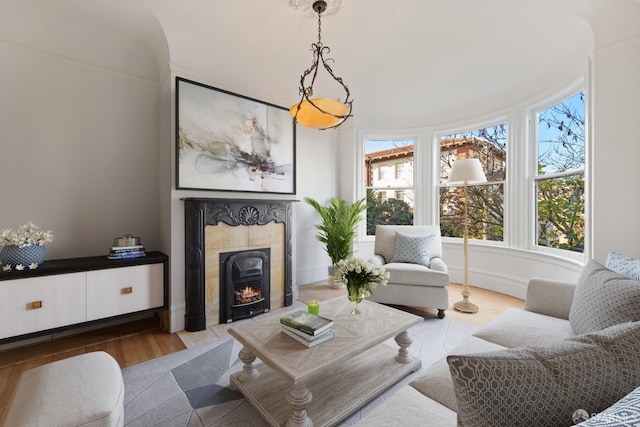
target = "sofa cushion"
x: 624, y: 413
x: 521, y: 328
x: 407, y: 407
x: 412, y: 249
x: 624, y: 265
x: 436, y: 382
x: 543, y: 386
x: 603, y: 298
x: 415, y: 274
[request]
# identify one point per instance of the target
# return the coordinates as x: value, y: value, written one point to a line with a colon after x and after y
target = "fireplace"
x: 215, y: 226
x: 244, y: 284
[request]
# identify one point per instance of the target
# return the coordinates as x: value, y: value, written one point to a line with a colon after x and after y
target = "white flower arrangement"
x: 360, y: 276
x: 26, y: 235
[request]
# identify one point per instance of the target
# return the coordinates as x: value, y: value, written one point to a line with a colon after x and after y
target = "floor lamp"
x: 466, y: 171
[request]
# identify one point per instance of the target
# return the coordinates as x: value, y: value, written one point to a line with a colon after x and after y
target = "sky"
x: 377, y: 145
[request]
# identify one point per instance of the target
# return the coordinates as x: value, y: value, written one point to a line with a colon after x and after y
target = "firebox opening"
x: 244, y: 284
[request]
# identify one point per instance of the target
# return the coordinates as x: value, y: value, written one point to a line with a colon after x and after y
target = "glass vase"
x: 355, y: 296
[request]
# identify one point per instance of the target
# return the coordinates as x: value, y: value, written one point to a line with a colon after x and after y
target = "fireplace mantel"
x: 200, y: 212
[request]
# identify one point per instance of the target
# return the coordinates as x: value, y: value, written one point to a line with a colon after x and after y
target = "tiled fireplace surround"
x: 214, y: 226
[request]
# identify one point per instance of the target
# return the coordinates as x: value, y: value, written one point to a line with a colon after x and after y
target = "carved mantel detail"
x: 199, y: 213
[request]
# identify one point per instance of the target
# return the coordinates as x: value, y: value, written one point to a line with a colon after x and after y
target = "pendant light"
x: 320, y: 113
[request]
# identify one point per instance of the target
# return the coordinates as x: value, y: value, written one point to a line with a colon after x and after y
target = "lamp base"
x: 465, y: 306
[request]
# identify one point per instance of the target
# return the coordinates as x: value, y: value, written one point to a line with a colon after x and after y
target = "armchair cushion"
x: 412, y: 249
x: 385, y: 242
x: 415, y: 274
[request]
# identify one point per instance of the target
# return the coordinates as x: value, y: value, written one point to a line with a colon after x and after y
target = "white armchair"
x: 413, y: 258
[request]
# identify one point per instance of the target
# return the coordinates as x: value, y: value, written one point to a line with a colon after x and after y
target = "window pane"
x: 388, y: 207
x: 486, y: 202
x: 487, y: 144
x: 561, y: 136
x: 388, y: 163
x: 485, y: 212
x: 388, y: 166
x: 560, y: 212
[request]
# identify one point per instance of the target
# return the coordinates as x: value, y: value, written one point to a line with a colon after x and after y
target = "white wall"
x: 79, y: 151
x: 616, y: 173
x: 318, y: 179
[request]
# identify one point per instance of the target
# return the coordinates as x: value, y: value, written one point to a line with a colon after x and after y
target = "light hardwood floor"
x: 490, y: 303
x: 139, y: 341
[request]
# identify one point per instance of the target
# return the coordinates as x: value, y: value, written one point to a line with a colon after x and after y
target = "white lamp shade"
x: 466, y: 171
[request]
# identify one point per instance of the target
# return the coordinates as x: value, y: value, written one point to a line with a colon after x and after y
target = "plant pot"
x: 27, y: 257
x: 331, y: 270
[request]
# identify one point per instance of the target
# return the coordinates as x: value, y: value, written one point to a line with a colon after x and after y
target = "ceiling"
x: 407, y: 63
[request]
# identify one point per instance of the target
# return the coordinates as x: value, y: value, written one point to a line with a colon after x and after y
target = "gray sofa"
x: 433, y: 398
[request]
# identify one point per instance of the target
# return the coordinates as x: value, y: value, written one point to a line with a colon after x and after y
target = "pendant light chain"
x: 319, y: 27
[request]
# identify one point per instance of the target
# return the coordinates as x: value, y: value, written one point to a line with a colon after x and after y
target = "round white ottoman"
x: 85, y: 390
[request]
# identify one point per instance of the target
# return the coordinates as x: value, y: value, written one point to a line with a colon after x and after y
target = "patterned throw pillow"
x: 603, y: 298
x: 624, y: 413
x: 412, y: 249
x: 619, y: 263
x: 545, y: 386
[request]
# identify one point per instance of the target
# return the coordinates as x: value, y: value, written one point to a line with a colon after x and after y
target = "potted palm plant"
x: 338, y: 226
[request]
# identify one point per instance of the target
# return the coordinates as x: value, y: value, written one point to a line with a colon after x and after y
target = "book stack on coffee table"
x: 308, y: 329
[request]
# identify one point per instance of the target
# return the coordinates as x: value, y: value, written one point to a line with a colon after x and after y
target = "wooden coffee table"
x: 299, y: 386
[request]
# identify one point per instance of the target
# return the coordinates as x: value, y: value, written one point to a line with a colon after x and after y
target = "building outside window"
x: 390, y: 193
x: 559, y: 181
x: 486, y: 201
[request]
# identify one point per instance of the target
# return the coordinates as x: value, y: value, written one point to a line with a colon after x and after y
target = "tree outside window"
x: 560, y: 175
x: 486, y: 201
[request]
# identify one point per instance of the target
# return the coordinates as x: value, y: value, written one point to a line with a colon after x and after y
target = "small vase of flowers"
x: 24, y: 247
x: 360, y: 277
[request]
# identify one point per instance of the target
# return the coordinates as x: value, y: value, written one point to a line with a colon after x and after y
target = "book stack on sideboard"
x: 307, y: 329
x: 126, y: 247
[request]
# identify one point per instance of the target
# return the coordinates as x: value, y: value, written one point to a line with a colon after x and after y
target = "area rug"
x: 191, y: 388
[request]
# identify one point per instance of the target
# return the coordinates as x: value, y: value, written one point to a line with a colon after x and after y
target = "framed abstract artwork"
x: 229, y: 142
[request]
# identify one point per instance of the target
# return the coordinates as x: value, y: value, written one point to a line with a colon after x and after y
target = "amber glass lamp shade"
x: 333, y: 113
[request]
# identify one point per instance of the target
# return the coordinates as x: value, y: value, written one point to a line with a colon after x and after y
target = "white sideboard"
x: 62, y: 293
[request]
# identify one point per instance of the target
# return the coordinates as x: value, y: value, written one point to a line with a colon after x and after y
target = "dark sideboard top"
x: 73, y: 265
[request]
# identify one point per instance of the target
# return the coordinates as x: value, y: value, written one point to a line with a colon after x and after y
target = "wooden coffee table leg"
x: 249, y: 372
x: 299, y: 397
x: 403, y: 340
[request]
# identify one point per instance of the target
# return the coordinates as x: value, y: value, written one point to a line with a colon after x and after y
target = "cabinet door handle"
x: 36, y: 304
x: 127, y: 290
